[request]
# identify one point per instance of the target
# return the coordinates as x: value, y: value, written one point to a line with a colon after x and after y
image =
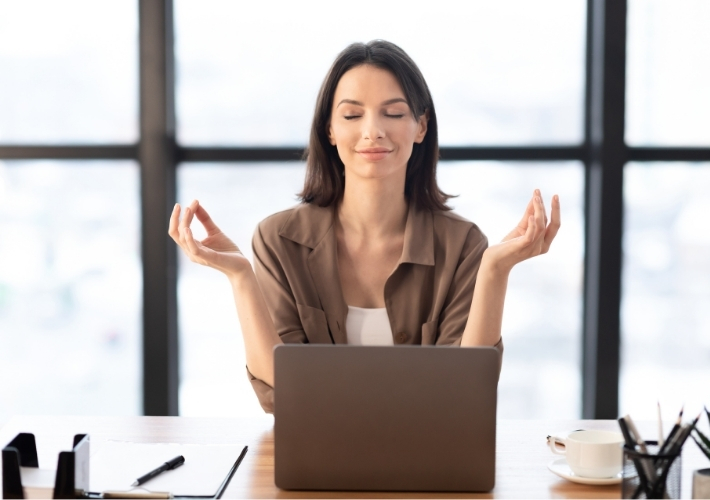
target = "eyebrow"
x: 386, y: 103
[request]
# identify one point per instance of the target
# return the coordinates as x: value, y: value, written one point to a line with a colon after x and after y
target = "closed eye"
x: 394, y: 116
x: 351, y: 117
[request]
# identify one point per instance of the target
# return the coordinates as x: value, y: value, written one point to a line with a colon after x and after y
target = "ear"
x: 422, y: 125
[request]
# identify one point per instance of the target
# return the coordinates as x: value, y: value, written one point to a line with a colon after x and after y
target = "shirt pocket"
x: 429, y: 331
x: 314, y: 324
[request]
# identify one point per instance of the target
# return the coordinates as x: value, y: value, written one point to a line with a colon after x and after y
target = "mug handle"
x: 557, y: 445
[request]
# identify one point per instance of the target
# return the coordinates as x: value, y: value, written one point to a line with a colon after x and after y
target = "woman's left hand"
x: 532, y: 236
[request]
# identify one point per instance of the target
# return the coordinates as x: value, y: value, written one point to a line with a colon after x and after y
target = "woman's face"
x: 372, y: 125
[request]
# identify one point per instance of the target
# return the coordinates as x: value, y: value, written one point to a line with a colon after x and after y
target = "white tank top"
x: 368, y: 326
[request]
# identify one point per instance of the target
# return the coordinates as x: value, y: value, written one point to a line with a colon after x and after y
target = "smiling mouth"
x: 374, y: 154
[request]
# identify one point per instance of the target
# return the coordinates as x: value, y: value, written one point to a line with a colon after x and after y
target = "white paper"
x: 115, y: 465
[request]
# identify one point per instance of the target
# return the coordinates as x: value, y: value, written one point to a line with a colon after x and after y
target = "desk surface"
x: 521, y: 467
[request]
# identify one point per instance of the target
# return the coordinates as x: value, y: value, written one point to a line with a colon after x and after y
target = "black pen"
x: 169, y: 465
x: 682, y: 435
x: 630, y: 443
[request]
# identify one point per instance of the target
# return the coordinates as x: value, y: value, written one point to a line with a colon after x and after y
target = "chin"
x: 374, y: 170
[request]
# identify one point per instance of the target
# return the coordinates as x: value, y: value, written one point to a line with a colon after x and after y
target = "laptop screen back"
x: 405, y: 418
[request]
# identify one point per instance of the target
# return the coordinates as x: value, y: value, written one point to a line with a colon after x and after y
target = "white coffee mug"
x: 594, y: 454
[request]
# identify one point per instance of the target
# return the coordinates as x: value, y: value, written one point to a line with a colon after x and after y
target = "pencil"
x: 682, y: 435
x: 635, y: 434
x: 673, y: 431
x: 647, y: 467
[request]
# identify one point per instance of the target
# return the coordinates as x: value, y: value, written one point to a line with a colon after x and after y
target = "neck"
x: 373, y: 208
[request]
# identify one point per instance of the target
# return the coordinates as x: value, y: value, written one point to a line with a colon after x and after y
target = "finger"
x: 555, y: 223
x: 188, y: 214
x: 200, y: 253
x: 182, y: 240
x: 173, y: 224
x: 180, y: 237
x: 192, y: 246
x: 206, y: 220
x: 529, y: 210
x: 538, y: 217
x: 530, y: 232
x: 542, y: 204
x: 184, y: 226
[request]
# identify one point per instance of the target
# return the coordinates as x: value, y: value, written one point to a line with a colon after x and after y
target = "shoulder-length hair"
x: 325, y: 178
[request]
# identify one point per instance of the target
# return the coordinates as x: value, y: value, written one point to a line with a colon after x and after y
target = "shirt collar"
x: 309, y: 224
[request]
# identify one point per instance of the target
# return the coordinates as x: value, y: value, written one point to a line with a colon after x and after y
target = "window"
x: 543, y: 307
x: 505, y: 72
x: 508, y: 79
x: 665, y: 318
x: 70, y: 269
x: 212, y: 360
x: 496, y: 78
x: 668, y: 77
x: 70, y: 288
x: 69, y: 72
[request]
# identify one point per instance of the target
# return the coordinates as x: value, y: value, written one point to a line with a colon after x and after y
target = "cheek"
x: 406, y: 134
x: 342, y: 136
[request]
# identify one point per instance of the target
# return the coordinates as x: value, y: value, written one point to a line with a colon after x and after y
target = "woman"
x: 373, y: 255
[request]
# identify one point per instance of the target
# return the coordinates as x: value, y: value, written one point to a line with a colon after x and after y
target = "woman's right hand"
x: 216, y: 250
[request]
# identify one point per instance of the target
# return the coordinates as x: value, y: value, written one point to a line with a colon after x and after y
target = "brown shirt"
x: 428, y: 295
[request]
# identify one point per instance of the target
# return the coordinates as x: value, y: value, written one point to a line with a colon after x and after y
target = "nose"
x: 372, y: 127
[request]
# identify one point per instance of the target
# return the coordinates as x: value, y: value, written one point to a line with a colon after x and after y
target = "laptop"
x: 396, y: 418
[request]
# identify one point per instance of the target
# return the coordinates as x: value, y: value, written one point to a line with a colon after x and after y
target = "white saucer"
x: 560, y: 468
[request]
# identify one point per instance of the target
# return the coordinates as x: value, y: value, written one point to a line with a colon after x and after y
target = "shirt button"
x: 401, y: 337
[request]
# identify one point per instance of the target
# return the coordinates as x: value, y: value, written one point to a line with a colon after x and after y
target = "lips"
x: 374, y: 154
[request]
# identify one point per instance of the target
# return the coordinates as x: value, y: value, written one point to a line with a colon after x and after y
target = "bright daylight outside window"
x: 666, y: 289
x: 69, y: 72
x: 665, y: 318
x: 70, y: 288
x: 70, y: 271
x: 501, y: 73
x: 504, y: 73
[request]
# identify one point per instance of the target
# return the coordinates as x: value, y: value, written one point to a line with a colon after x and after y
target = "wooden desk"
x: 522, y: 454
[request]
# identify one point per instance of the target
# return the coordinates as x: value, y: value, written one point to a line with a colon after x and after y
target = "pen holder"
x: 650, y: 475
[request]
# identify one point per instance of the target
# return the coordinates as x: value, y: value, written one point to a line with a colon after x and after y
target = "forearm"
x: 485, y: 318
x: 258, y: 329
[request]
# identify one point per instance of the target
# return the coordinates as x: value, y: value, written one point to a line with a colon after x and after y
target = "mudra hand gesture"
x: 216, y: 250
x: 531, y: 237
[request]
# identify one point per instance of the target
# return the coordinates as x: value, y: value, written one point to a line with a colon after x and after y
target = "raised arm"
x: 532, y: 236
x: 219, y: 252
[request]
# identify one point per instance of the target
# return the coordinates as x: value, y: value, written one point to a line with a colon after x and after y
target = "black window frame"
x: 603, y: 152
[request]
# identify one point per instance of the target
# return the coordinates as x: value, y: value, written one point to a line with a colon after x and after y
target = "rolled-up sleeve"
x: 454, y: 315
x: 264, y: 392
x: 279, y: 300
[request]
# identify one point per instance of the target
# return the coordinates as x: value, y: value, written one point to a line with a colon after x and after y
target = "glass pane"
x: 504, y: 72
x: 70, y: 288
x: 69, y: 71
x: 212, y: 362
x: 668, y: 75
x: 542, y: 322
x: 542, y: 330
x: 666, y: 289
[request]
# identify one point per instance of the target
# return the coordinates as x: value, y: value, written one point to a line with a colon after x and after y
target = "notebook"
x: 115, y: 465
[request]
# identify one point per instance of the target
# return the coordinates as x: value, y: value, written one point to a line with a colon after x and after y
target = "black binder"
x: 72, y: 479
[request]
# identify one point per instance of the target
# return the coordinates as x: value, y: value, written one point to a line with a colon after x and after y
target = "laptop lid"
x: 404, y: 418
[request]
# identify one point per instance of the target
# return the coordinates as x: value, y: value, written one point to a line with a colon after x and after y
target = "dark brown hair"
x: 325, y: 179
